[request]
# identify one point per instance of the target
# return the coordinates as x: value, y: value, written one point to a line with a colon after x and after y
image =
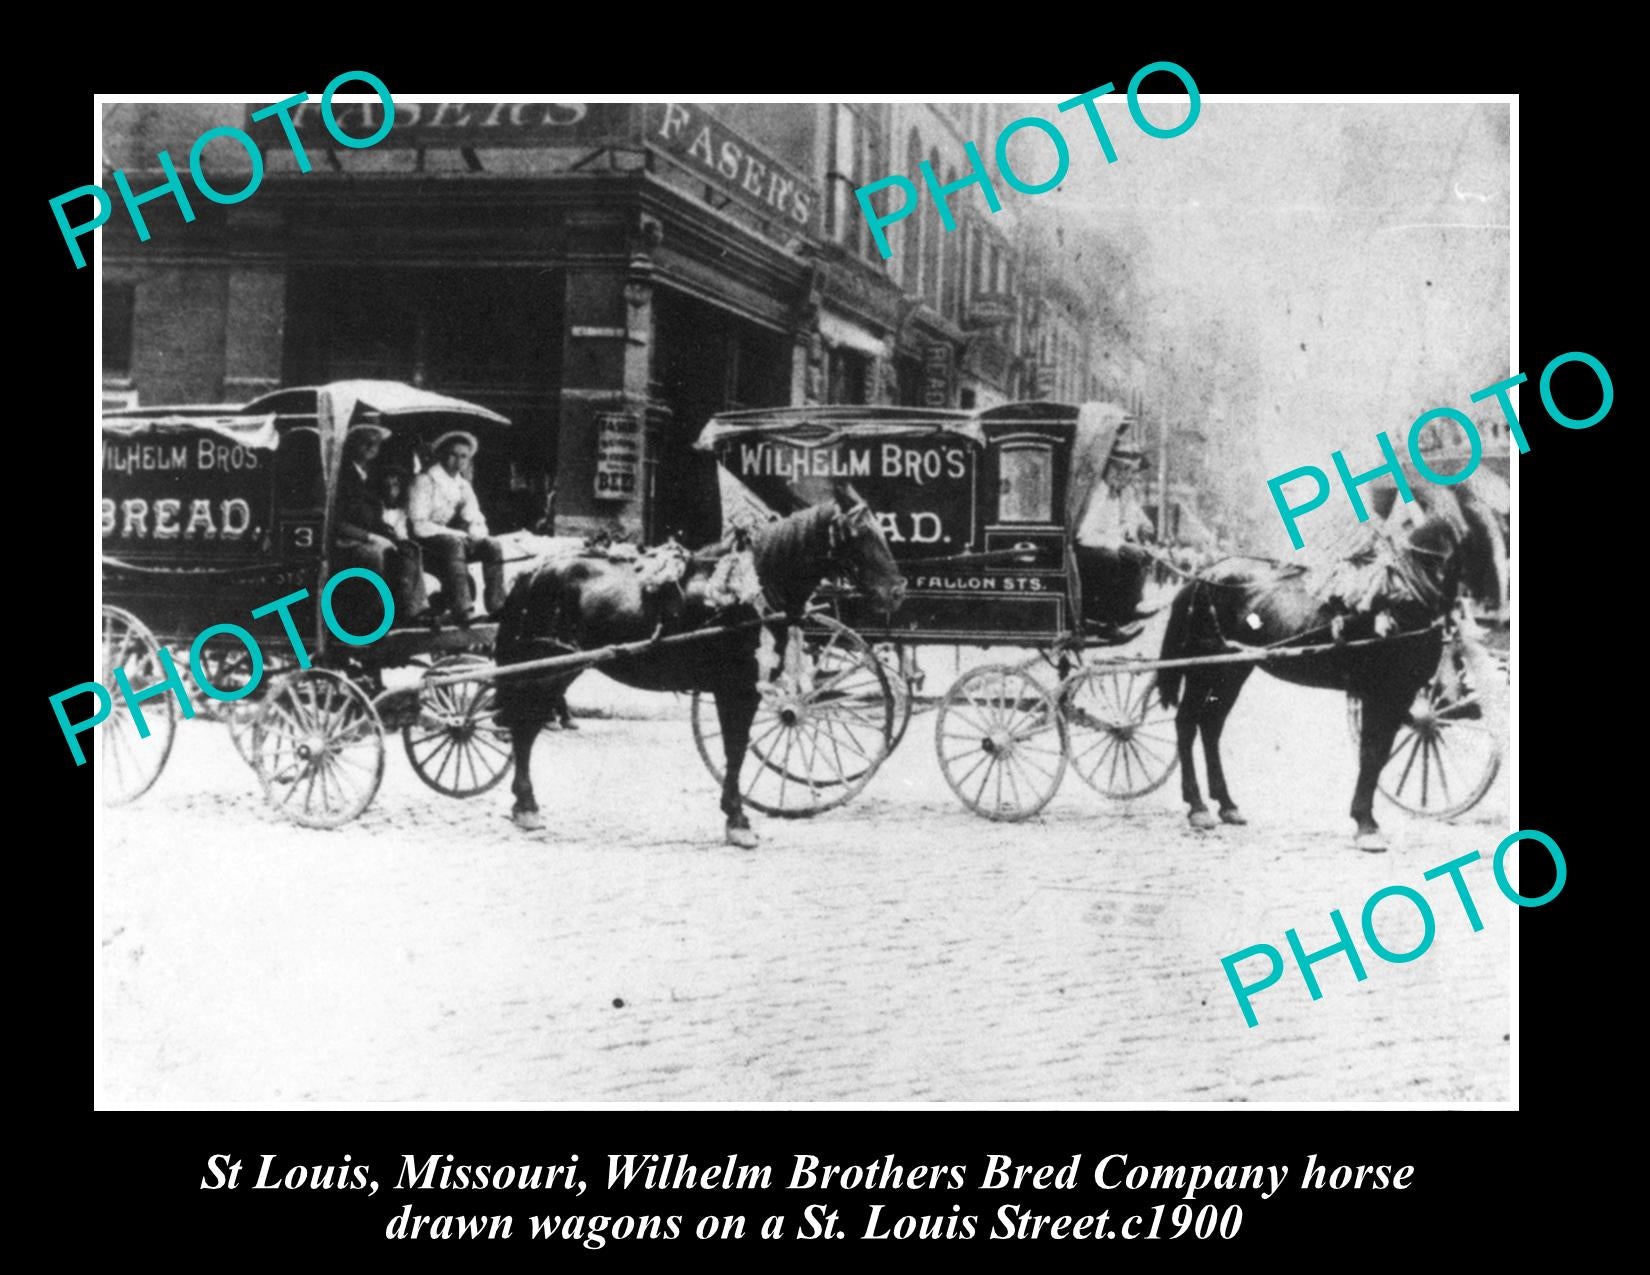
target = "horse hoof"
x: 1233, y: 816
x: 744, y: 838
x: 527, y: 820
x: 570, y: 724
x: 1202, y: 820
x: 1373, y: 842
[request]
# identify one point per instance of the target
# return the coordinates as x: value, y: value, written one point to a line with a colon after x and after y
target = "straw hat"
x: 455, y: 436
x: 375, y: 431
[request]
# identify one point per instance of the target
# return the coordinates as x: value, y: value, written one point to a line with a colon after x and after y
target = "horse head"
x: 1457, y: 542
x: 859, y: 548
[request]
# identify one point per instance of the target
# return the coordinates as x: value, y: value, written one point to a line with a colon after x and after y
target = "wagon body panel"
x: 209, y: 513
x: 268, y: 471
x: 978, y: 507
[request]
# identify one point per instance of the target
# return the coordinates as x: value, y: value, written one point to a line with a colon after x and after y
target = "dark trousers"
x: 448, y: 557
x: 1113, y: 581
x: 401, y: 567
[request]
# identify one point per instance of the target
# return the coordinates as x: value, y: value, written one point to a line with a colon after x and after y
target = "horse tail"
x: 1176, y: 643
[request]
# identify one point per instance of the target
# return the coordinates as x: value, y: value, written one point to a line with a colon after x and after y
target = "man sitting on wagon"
x: 1111, y: 563
x: 449, y: 526
x: 363, y: 534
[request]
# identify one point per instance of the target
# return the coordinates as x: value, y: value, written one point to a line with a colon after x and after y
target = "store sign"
x: 188, y: 492
x: 718, y: 155
x: 478, y: 124
x: 618, y: 455
x: 922, y: 489
x: 936, y: 375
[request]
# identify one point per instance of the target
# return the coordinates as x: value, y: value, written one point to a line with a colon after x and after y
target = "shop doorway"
x: 705, y: 361
x: 493, y: 337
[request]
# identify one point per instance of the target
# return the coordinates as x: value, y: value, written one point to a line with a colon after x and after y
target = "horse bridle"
x: 843, y: 526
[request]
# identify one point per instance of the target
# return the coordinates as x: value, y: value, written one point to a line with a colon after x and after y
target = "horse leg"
x: 1187, y: 719
x: 526, y: 812
x: 736, y: 710
x: 1381, y: 719
x: 558, y: 702
x: 1221, y: 702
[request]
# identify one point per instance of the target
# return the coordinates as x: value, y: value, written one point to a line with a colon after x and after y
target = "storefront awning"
x: 841, y: 332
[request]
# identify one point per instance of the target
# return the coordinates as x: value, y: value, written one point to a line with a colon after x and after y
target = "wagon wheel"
x: 902, y: 683
x: 824, y: 725
x: 1002, y: 742
x: 456, y: 745
x: 1122, y: 738
x: 129, y: 764
x: 318, y: 746
x: 227, y: 664
x: 1445, y: 756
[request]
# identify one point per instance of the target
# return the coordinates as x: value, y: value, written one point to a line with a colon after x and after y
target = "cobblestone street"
x: 898, y: 949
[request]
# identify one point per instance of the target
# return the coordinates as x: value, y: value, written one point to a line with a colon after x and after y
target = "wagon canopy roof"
x: 811, y: 426
x: 381, y: 398
x: 259, y: 423
x: 246, y: 431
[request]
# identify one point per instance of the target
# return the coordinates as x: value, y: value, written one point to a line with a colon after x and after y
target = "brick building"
x: 596, y: 272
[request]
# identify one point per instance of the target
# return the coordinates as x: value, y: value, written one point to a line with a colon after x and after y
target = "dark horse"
x: 589, y: 602
x: 1248, y: 603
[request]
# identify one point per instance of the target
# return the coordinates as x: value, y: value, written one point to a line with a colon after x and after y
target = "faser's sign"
x: 726, y: 160
x: 480, y: 124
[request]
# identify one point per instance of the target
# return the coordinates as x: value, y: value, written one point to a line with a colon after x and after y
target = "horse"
x: 1452, y: 546
x: 585, y: 603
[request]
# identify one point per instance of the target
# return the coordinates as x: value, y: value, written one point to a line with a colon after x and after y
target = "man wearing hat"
x: 364, y: 537
x: 1110, y: 561
x: 448, y: 524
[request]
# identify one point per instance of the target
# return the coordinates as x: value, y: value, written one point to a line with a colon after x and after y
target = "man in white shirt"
x: 1111, y: 563
x: 447, y: 523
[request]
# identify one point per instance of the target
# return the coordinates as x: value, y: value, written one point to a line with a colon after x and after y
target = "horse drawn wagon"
x: 979, y: 509
x: 869, y: 533
x: 210, y: 513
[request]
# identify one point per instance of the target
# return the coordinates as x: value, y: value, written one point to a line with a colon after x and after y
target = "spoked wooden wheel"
x: 227, y: 664
x: 824, y: 725
x: 1002, y: 742
x: 1122, y: 738
x: 1445, y: 756
x: 127, y: 763
x: 456, y: 745
x: 319, y: 748
x: 900, y: 667
x: 1448, y: 751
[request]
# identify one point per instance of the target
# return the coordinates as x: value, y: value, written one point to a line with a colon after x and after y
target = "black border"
x: 136, y: 1174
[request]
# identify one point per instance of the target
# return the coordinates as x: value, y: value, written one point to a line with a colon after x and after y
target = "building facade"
x: 609, y: 276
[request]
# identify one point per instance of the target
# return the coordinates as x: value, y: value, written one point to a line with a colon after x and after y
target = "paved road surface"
x: 900, y: 949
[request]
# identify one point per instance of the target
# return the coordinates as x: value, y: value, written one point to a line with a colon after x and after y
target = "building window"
x: 951, y: 275
x: 856, y: 159
x: 119, y: 300
x: 847, y: 376
x: 931, y: 248
x: 1025, y: 490
x: 912, y: 240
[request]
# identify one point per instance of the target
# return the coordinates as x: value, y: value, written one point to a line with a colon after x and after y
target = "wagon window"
x: 1025, y: 491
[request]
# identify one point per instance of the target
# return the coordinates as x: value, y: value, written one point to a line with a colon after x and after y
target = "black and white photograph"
x: 833, y: 602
